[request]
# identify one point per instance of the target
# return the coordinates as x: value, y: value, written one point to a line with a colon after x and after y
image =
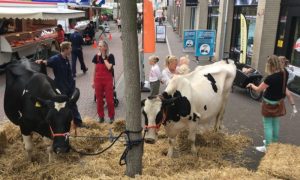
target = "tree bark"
x: 132, y: 85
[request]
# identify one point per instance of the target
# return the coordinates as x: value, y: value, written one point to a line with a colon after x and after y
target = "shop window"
x: 295, y: 57
x: 213, y: 14
x: 192, y: 19
x: 250, y: 14
x: 281, y: 31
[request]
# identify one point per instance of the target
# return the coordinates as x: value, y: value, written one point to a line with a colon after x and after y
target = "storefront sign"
x: 189, y: 38
x: 297, y: 45
x: 79, y: 2
x: 280, y: 43
x: 205, y: 42
x: 245, y: 2
x: 191, y: 2
x: 161, y: 33
x: 244, y: 38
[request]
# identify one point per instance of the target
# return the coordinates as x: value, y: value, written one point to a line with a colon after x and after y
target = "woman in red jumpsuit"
x: 102, y: 80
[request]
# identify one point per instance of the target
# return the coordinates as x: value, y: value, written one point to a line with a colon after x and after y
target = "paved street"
x: 242, y: 113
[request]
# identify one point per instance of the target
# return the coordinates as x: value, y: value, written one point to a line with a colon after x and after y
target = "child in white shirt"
x: 183, y: 67
x: 154, y: 75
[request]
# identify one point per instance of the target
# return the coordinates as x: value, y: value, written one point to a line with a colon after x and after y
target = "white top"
x: 155, y: 73
x: 119, y: 21
x: 166, y: 76
x: 291, y: 76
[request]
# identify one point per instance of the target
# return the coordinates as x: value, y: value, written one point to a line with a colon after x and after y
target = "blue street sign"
x: 189, y: 40
x: 205, y: 43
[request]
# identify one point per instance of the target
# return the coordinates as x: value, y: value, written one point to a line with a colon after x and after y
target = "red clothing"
x: 103, y: 82
x: 60, y: 36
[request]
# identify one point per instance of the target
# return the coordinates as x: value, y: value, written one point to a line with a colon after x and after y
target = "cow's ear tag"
x: 38, y: 104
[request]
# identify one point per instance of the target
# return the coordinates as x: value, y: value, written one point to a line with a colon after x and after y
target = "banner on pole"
x: 148, y: 28
x: 189, y: 40
x: 205, y: 42
x: 244, y: 38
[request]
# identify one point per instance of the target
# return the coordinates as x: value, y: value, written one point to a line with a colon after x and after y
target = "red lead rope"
x: 158, y: 125
x: 66, y: 135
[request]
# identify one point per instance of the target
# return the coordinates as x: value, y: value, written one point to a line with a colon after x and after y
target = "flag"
x: 244, y: 38
x: 148, y: 27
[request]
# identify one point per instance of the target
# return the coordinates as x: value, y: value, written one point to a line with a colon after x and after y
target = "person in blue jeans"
x: 273, y: 92
x: 63, y: 76
x: 77, y: 42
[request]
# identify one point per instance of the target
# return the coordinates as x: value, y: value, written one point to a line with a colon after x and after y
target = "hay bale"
x: 3, y: 140
x: 119, y: 125
x: 282, y: 161
x: 211, y: 151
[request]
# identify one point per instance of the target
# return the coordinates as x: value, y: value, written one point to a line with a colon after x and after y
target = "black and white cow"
x: 33, y: 102
x: 189, y: 101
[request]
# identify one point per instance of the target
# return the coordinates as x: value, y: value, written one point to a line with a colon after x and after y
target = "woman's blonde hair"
x: 273, y: 65
x: 170, y: 59
x: 154, y: 58
x: 104, y: 43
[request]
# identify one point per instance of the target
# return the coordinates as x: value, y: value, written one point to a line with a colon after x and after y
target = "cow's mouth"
x: 149, y: 141
x: 61, y: 150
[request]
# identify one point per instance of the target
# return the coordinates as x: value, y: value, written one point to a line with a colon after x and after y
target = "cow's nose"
x: 58, y: 150
x: 149, y: 140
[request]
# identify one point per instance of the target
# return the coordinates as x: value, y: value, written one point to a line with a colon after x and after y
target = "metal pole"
x: 224, y: 31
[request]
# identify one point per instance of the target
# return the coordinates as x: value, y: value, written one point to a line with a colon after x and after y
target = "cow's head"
x: 59, y: 118
x: 160, y: 109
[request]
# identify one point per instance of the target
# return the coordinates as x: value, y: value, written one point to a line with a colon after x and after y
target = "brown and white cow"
x: 189, y: 101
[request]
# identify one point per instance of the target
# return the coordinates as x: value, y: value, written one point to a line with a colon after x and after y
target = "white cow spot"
x: 58, y: 106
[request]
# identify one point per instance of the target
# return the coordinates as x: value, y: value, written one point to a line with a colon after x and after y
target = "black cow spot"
x: 213, y: 82
x: 195, y: 117
x: 205, y: 108
x: 190, y: 118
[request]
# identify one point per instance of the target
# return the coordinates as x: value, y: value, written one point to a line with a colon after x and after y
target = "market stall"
x: 26, y: 26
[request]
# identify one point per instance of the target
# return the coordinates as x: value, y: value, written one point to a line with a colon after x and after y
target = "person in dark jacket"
x: 63, y: 76
x: 77, y: 42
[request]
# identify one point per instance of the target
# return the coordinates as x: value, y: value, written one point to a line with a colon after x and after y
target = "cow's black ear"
x: 143, y: 102
x: 177, y: 94
x: 184, y: 106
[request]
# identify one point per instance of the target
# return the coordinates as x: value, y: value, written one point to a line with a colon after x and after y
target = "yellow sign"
x: 280, y: 43
x: 244, y: 38
x: 38, y: 104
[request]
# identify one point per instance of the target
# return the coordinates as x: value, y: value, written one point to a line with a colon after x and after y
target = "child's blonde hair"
x: 170, y: 59
x: 154, y: 58
x: 184, y: 60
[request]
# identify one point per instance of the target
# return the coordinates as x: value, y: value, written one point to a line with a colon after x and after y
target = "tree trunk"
x: 132, y: 85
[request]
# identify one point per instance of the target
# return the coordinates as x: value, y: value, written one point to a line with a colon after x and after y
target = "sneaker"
x: 101, y: 119
x: 261, y: 148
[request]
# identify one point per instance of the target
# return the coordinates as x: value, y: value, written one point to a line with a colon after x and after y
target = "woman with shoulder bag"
x: 275, y: 90
x: 102, y: 80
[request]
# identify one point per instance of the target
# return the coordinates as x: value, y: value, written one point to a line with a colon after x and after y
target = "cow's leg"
x: 219, y: 118
x: 49, y: 148
x: 28, y: 146
x: 192, y: 136
x: 172, y: 142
